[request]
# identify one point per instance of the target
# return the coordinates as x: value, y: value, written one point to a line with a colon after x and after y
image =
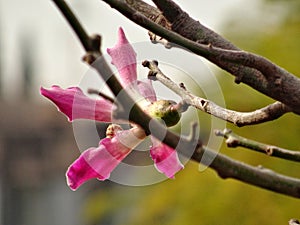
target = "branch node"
x: 153, y: 69
x: 269, y: 150
x: 182, y: 86
x: 238, y: 79
x: 223, y: 133
x: 95, y: 42
x: 152, y: 75
x: 157, y: 39
x: 232, y: 142
x: 146, y: 63
x: 89, y: 58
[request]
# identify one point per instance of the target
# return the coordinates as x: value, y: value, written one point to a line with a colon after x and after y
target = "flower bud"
x: 164, y: 110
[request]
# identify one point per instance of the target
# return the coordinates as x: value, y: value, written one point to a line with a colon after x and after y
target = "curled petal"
x: 165, y: 158
x: 96, y: 163
x: 124, y: 58
x: 75, y: 105
x: 101, y: 161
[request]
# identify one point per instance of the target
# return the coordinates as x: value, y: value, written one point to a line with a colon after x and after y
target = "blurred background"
x: 37, y: 48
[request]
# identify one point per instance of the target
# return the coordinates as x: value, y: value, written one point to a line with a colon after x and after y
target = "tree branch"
x: 144, y: 8
x: 268, y: 113
x: 88, y: 43
x: 225, y: 167
x: 281, y: 86
x: 233, y: 140
x: 258, y: 176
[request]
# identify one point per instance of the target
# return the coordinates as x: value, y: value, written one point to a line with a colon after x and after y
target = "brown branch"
x: 193, y: 30
x: 233, y: 140
x: 258, y: 176
x: 268, y: 113
x: 89, y: 43
x: 281, y: 85
x: 144, y: 8
x: 223, y: 165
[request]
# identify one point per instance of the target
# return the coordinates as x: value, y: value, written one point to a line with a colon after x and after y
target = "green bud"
x: 166, y: 111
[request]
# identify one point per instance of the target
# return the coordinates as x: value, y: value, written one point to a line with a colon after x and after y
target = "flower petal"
x: 124, y: 58
x: 101, y: 161
x: 165, y: 158
x: 96, y: 162
x: 146, y: 90
x: 75, y: 105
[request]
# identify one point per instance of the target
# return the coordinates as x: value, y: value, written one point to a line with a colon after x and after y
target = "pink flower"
x: 99, y: 162
x: 75, y: 105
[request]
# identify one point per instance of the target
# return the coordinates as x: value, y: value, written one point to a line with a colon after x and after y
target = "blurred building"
x: 36, y: 147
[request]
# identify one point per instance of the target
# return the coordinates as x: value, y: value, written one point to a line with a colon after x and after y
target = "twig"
x: 282, y: 86
x: 223, y: 165
x: 258, y: 176
x: 268, y: 113
x: 88, y: 43
x: 144, y: 8
x: 233, y: 140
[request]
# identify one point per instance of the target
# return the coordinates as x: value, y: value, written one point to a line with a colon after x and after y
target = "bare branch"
x: 144, y: 8
x: 233, y: 140
x: 268, y: 113
x: 184, y: 25
x: 281, y: 86
x: 88, y: 43
x: 258, y: 176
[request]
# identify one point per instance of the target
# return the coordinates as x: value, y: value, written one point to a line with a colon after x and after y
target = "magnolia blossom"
x: 99, y: 162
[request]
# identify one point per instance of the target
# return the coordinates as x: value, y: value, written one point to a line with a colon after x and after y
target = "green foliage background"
x: 201, y: 197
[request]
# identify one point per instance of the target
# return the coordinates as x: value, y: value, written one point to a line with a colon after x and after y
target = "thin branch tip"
x: 181, y: 85
x: 233, y: 140
x: 223, y: 133
x: 146, y: 63
x: 153, y: 68
x: 95, y: 42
